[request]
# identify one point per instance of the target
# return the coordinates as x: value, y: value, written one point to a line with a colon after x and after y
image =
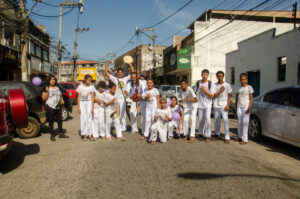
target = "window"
x: 232, y: 75
x: 281, y: 68
x: 296, y: 98
x: 68, y: 86
x: 281, y: 97
x: 38, y: 51
x: 45, y: 55
x: 32, y: 51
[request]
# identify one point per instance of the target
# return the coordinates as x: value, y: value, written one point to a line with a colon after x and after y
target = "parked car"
x: 13, y: 113
x: 276, y: 114
x: 163, y: 89
x: 173, y: 91
x: 71, y: 88
x: 36, y: 112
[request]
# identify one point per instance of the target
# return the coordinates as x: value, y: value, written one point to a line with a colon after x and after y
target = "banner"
x: 84, y: 71
x: 184, y: 58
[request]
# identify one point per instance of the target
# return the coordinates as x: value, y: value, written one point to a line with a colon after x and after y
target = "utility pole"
x: 24, y: 39
x: 66, y: 3
x: 295, y: 14
x: 153, y: 44
x: 75, y: 48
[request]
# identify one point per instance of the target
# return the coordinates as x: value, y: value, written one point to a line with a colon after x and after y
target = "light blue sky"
x: 112, y: 22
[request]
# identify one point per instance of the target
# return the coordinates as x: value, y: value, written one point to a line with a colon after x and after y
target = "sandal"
x: 153, y: 142
x: 108, y: 138
x: 121, y: 139
x: 85, y: 138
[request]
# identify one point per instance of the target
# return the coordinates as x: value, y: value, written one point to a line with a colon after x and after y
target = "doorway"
x: 254, y: 81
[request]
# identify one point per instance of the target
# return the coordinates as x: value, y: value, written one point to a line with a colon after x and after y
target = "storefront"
x: 9, y: 64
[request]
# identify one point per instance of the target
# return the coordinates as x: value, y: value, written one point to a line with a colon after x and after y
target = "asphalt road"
x: 71, y: 168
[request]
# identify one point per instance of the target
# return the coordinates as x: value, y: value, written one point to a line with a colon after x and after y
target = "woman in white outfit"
x: 177, y: 124
x: 98, y: 119
x: 86, y: 94
x: 151, y: 96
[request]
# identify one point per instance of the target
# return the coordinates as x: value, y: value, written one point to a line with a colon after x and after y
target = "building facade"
x: 270, y: 61
x: 217, y: 32
x: 67, y: 70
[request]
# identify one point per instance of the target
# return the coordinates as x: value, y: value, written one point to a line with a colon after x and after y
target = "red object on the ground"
x: 71, y: 88
x: 18, y: 108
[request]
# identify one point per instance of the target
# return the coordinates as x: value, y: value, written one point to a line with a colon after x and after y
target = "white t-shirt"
x: 244, y: 93
x: 143, y: 83
x: 152, y: 102
x: 162, y: 113
x: 86, y: 92
x: 204, y: 101
x: 108, y: 97
x: 188, y: 93
x: 121, y: 85
x: 100, y: 96
x: 221, y: 100
x: 54, y: 98
x: 176, y: 109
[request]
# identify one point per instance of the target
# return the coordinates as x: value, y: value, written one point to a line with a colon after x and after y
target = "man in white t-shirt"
x: 205, y: 96
x: 121, y: 83
x: 222, y: 96
x: 244, y: 97
x: 188, y: 99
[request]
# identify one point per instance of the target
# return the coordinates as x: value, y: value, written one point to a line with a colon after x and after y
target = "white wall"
x: 261, y: 53
x: 209, y: 52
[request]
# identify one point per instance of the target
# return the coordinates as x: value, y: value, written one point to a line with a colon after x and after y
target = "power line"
x: 52, y: 16
x: 48, y: 4
x: 170, y: 15
x: 130, y: 40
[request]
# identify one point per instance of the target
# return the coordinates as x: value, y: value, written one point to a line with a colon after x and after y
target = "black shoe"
x: 52, y: 138
x: 63, y: 136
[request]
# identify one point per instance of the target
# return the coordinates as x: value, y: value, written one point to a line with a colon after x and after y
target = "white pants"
x: 143, y: 114
x: 218, y: 112
x: 98, y: 123
x: 133, y: 116
x: 149, y: 119
x: 86, y: 118
x: 243, y: 123
x: 160, y: 129
x: 115, y: 122
x: 204, y: 116
x: 173, y: 124
x: 123, y: 116
x: 189, y: 114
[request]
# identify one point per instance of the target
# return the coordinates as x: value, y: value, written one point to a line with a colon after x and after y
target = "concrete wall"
x: 261, y: 53
x: 209, y: 52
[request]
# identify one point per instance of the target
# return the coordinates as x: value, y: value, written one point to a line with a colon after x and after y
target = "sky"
x: 112, y: 22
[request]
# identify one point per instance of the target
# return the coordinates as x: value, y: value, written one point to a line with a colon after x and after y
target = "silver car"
x: 276, y: 114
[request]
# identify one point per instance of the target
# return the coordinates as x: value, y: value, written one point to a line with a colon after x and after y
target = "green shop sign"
x: 184, y: 58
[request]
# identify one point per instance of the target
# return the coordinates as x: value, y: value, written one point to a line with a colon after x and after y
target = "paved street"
x: 71, y: 168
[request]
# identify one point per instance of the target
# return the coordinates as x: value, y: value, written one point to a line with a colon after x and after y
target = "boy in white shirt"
x: 121, y: 83
x: 222, y: 96
x: 189, y: 101
x: 151, y: 97
x: 244, y: 97
x: 175, y: 123
x: 204, y: 105
x: 112, y: 113
x: 99, y: 109
x: 162, y: 117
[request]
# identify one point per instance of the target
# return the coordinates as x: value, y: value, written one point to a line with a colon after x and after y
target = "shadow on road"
x: 209, y: 176
x: 15, y: 157
x: 276, y: 146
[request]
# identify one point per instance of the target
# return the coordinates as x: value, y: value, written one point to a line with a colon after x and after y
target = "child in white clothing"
x: 112, y: 113
x: 244, y: 97
x: 175, y: 123
x: 98, y: 119
x: 86, y: 93
x: 160, y: 127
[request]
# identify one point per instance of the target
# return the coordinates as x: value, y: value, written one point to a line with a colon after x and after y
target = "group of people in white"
x: 100, y: 110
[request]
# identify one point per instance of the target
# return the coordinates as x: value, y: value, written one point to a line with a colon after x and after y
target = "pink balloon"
x: 176, y: 116
x: 168, y: 102
x: 36, y: 81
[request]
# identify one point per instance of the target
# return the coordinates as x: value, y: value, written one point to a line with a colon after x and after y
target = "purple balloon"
x: 37, y: 81
x: 176, y: 116
x: 168, y: 102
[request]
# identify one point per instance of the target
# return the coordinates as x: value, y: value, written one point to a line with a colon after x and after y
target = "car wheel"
x: 31, y: 130
x: 65, y: 114
x: 254, y: 130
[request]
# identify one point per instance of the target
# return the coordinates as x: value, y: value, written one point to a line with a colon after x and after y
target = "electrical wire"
x: 152, y: 26
x: 48, y: 4
x: 125, y: 45
x: 52, y: 16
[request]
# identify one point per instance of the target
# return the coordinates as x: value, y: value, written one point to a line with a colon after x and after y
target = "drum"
x: 18, y: 108
x: 127, y: 59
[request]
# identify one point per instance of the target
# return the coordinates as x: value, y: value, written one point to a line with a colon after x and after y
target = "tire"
x: 31, y: 131
x: 65, y: 114
x: 254, y: 130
